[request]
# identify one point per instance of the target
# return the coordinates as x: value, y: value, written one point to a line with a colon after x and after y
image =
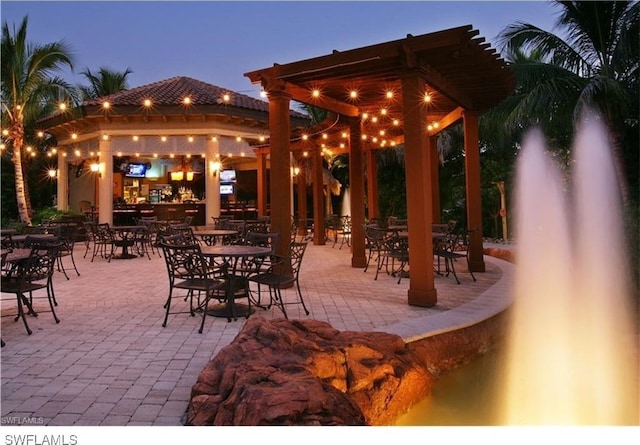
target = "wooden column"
x: 356, y: 188
x: 435, y: 180
x: 262, y: 184
x: 280, y: 188
x: 372, y: 184
x: 302, y: 203
x: 473, y: 185
x: 422, y: 291
x: 318, y: 199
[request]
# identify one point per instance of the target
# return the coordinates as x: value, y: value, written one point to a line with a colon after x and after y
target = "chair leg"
x: 167, y: 305
x: 279, y: 297
x: 306, y: 311
x: 21, y: 314
x: 51, y: 297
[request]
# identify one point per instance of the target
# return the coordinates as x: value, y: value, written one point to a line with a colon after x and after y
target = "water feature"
x: 570, y: 356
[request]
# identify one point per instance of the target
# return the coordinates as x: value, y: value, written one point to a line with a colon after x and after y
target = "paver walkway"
x: 110, y: 362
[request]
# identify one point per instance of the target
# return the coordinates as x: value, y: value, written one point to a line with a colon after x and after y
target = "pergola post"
x: 372, y: 184
x: 356, y: 187
x: 302, y: 203
x: 318, y: 199
x: 105, y: 189
x: 280, y: 188
x: 262, y: 183
x: 435, y: 180
x: 473, y: 184
x: 422, y: 291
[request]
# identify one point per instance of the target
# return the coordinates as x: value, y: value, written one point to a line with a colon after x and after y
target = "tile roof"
x: 172, y: 91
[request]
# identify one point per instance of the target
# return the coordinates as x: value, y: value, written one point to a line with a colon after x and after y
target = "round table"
x: 233, y: 254
x: 126, y: 237
x: 211, y: 236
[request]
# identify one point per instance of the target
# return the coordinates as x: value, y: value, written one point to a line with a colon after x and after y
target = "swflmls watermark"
x: 17, y: 420
x: 37, y: 439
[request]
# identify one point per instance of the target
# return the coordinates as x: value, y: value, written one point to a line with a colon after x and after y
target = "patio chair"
x: 375, y: 239
x: 30, y: 275
x: 103, y: 242
x: 345, y: 231
x: 451, y: 248
x: 68, y: 235
x: 277, y: 278
x: 187, y: 270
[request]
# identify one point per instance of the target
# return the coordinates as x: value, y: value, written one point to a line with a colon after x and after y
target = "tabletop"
x: 16, y: 255
x: 214, y: 232
x: 235, y: 251
x: 4, y: 232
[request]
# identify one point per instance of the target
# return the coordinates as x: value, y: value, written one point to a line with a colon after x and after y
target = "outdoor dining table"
x: 4, y: 232
x: 125, y: 237
x: 233, y: 254
x: 14, y: 255
x: 19, y: 240
x: 211, y: 236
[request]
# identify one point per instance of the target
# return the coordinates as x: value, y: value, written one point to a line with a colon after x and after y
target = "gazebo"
x: 162, y: 123
x: 399, y: 92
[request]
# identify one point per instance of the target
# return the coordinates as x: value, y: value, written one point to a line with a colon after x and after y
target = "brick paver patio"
x: 110, y: 361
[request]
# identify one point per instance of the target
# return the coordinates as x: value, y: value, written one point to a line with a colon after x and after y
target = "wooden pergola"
x: 403, y: 91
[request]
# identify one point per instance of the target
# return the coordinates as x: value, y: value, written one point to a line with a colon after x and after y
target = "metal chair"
x: 30, y: 275
x: 451, y: 248
x: 187, y: 270
x: 277, y: 278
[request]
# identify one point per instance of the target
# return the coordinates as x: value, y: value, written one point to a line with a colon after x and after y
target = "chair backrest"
x: 40, y: 264
x: 297, y: 253
x: 185, y: 231
x: 263, y: 240
x: 102, y: 233
x: 183, y: 261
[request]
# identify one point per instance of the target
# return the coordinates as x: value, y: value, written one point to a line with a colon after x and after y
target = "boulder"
x: 305, y: 372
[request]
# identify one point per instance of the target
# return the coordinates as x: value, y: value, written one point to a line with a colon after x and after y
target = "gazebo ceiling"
x: 461, y: 72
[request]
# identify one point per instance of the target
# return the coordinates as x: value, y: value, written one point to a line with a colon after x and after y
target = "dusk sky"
x: 217, y: 42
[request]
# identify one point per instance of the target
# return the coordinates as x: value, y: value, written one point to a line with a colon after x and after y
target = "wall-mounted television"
x: 227, y: 175
x: 136, y: 170
x: 226, y: 189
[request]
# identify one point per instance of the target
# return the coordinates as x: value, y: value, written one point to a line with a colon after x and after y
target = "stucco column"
x: 262, y: 184
x: 356, y: 188
x: 473, y: 185
x: 318, y: 199
x: 372, y: 184
x: 280, y: 186
x: 212, y: 180
x: 105, y: 182
x: 422, y: 291
x: 435, y: 179
x: 63, y: 181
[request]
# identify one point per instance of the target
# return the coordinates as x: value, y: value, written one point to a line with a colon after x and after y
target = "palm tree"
x: 596, y: 68
x: 104, y: 83
x: 27, y: 87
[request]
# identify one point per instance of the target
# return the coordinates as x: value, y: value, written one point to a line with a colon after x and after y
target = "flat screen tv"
x: 227, y: 175
x: 136, y: 170
x: 226, y: 189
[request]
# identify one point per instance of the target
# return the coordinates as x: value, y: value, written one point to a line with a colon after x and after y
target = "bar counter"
x: 128, y: 214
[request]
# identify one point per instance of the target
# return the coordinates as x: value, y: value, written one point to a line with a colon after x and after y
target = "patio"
x: 110, y: 362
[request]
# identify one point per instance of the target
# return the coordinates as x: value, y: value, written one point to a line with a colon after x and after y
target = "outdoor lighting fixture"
x: 106, y: 105
x: 396, y: 122
x: 77, y: 152
x: 315, y: 93
x: 163, y: 138
x: 189, y: 176
x: 41, y: 134
x: 95, y: 167
x: 52, y: 173
x: 5, y: 132
x: 263, y: 93
x: 74, y: 135
x: 295, y: 171
x: 119, y: 154
x: 238, y: 139
x: 62, y: 106
x: 105, y: 137
x: 177, y: 176
x: 305, y: 137
x: 147, y: 103
x: 214, y: 139
x: 427, y: 97
x: 186, y: 100
x: 389, y: 94
x: 226, y: 97
x: 365, y: 116
x: 215, y: 167
x: 188, y: 155
x: 190, y: 138
x: 353, y: 94
x: 136, y: 138
x: 2, y: 146
x: 344, y: 135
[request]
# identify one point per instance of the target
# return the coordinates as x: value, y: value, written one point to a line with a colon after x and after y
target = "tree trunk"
x: 21, y: 199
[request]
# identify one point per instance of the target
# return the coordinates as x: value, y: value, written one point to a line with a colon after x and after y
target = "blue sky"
x: 217, y: 42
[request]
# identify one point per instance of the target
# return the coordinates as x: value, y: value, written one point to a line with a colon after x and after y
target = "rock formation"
x: 305, y: 372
